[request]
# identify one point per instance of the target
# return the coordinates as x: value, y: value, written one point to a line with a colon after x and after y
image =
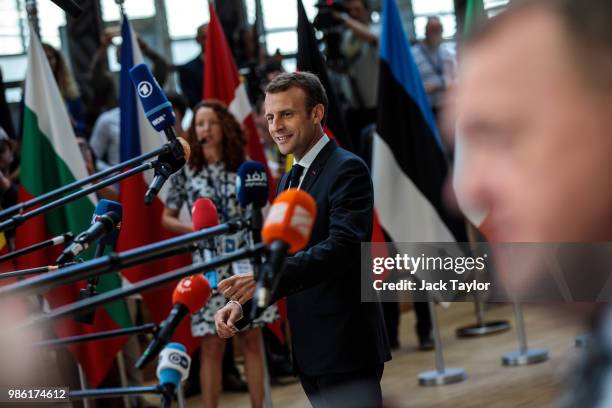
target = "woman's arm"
x: 171, y: 222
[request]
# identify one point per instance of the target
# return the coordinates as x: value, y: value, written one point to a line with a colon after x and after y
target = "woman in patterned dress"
x: 217, y: 150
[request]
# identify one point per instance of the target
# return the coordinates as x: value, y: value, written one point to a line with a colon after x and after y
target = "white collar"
x: 314, y: 151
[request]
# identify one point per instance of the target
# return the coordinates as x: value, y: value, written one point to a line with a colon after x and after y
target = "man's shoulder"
x: 342, y: 158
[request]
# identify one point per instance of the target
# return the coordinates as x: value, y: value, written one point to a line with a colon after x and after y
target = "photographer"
x: 359, y: 48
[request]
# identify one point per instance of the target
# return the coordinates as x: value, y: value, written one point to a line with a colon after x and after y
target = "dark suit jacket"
x: 191, y: 78
x: 331, y: 329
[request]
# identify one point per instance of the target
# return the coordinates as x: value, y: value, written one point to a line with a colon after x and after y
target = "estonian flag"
x: 408, y: 164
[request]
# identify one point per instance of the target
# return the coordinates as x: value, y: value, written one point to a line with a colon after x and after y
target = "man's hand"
x: 225, y: 318
x: 238, y: 287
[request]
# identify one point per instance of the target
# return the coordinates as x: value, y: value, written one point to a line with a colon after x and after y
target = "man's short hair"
x: 307, y: 82
x: 587, y: 28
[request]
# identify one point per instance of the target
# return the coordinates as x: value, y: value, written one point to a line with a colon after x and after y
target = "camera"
x: 332, y: 29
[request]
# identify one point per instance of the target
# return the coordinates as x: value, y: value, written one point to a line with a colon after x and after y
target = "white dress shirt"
x: 310, y: 156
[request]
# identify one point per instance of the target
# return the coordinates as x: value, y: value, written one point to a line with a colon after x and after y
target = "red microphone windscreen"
x: 193, y: 292
x: 291, y: 219
x: 203, y: 214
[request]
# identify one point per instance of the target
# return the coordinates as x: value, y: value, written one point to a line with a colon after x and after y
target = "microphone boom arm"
x: 51, y: 195
x: 141, y: 286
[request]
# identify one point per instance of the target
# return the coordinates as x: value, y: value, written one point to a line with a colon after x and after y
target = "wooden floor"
x: 488, y: 384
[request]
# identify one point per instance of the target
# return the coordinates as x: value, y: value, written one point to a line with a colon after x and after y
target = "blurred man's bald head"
x: 586, y: 29
x: 533, y: 111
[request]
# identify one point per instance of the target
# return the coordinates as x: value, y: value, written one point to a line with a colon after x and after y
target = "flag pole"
x: 524, y: 355
x: 441, y: 375
x: 481, y: 327
x: 32, y: 12
x: 83, y: 382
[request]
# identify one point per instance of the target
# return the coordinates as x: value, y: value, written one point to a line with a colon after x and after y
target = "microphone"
x: 157, y: 108
x: 204, y: 215
x: 252, y: 184
x: 102, y: 225
x: 172, y: 368
x: 102, y: 208
x: 165, y: 166
x: 252, y: 193
x: 109, y: 239
x: 287, y: 230
x: 189, y: 296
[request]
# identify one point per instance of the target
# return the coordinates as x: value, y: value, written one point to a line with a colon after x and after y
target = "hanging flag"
x: 141, y: 223
x: 408, y: 164
x: 475, y: 14
x: 221, y: 82
x: 309, y: 59
x: 51, y: 158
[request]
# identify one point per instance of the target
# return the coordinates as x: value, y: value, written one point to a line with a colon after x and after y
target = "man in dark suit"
x: 191, y: 75
x: 339, y: 343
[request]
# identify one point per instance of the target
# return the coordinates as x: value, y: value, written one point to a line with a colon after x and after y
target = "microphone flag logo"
x: 145, y: 89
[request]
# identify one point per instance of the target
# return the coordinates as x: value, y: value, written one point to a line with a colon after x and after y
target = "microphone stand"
x: 53, y: 194
x: 146, y: 284
x: 114, y: 261
x: 19, y: 219
x: 145, y: 328
x: 34, y: 271
x: 255, y: 227
x: 60, y: 239
x: 117, y: 392
x: 90, y: 290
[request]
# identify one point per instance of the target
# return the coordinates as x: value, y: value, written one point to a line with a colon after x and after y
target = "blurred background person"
x: 6, y: 122
x: 108, y: 192
x: 179, y: 106
x: 533, y: 114
x: 67, y: 87
x: 8, y: 186
x: 191, y: 74
x: 105, y: 136
x: 218, y: 149
x: 436, y: 63
x: 359, y: 48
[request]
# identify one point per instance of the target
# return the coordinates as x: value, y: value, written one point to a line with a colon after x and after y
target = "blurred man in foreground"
x: 533, y: 110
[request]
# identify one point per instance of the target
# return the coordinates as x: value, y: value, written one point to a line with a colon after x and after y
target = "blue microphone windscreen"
x: 170, y: 375
x: 176, y: 346
x: 154, y: 102
x: 102, y: 208
x: 252, y: 184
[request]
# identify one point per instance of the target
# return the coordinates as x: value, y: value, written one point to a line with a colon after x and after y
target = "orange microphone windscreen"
x: 291, y: 219
x: 193, y: 292
x: 203, y: 214
x: 186, y: 147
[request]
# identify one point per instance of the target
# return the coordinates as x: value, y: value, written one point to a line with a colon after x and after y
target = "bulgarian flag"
x: 51, y: 158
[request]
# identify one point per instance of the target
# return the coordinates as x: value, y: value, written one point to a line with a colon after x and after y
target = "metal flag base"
x: 530, y: 356
x: 441, y: 375
x: 583, y: 340
x: 448, y: 376
x: 483, y: 329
